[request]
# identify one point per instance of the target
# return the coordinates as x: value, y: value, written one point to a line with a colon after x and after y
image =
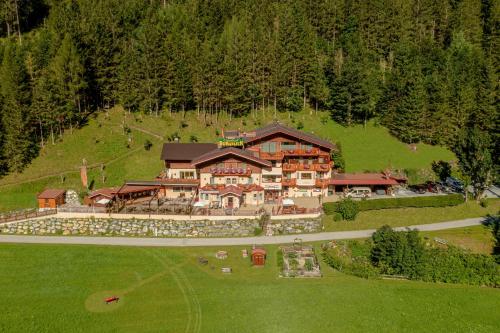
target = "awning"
x: 288, y: 202
x: 103, y: 201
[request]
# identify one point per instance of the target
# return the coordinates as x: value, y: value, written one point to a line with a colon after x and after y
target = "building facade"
x: 249, y: 168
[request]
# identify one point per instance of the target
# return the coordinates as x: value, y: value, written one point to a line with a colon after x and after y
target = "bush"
x: 416, y: 202
x: 193, y: 138
x: 484, y: 203
x: 148, y: 144
x: 347, y: 208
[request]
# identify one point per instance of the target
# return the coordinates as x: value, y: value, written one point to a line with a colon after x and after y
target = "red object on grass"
x: 111, y: 299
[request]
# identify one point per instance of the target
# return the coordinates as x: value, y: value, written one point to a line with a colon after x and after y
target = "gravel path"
x: 133, y: 241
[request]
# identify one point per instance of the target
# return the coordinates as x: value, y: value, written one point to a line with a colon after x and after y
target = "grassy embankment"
x: 51, y: 288
x: 401, y: 217
x: 104, y: 141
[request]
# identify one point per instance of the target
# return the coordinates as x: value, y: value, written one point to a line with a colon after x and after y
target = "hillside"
x: 104, y: 141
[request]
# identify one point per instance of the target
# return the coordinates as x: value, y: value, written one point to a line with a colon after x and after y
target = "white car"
x: 359, y: 192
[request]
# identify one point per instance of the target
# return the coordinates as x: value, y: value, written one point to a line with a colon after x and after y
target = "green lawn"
x: 104, y: 141
x: 401, y: 217
x: 478, y: 239
x: 55, y: 288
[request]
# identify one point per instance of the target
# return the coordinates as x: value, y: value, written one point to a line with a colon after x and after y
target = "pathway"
x: 133, y: 241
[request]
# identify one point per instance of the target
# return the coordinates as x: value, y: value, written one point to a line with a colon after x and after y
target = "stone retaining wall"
x: 152, y: 227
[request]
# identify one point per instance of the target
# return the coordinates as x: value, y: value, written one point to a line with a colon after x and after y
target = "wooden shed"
x: 51, y: 198
x: 258, y: 257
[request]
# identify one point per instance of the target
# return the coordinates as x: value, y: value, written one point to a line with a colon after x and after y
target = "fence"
x: 27, y: 214
x: 82, y: 209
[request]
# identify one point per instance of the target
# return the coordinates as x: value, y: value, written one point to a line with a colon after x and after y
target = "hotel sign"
x: 274, y: 186
x: 223, y: 142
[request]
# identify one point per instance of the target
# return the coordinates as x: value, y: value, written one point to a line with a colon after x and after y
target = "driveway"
x: 177, y: 242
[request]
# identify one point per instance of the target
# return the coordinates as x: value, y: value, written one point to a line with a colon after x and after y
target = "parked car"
x: 359, y: 192
x: 380, y: 192
x: 455, y: 184
x: 420, y: 189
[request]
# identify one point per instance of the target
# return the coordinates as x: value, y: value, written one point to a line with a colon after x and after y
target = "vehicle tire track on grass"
x: 189, y: 294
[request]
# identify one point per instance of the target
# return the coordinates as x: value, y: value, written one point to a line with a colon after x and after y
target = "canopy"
x: 199, y: 204
x: 288, y: 202
x: 103, y: 201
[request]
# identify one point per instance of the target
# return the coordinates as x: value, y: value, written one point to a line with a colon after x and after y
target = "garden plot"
x: 298, y: 261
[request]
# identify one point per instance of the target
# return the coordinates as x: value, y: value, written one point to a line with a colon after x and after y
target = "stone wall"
x: 152, y: 227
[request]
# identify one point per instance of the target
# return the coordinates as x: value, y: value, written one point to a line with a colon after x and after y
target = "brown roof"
x: 275, y: 128
x: 106, y: 192
x: 230, y: 151
x: 362, y: 179
x: 51, y: 194
x: 185, y: 151
x: 231, y: 189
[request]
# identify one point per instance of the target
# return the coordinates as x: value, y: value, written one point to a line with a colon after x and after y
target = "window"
x: 228, y: 180
x: 255, y: 196
x: 212, y: 180
x: 320, y: 175
x: 321, y: 160
x: 306, y: 175
x: 273, y: 164
x: 235, y: 180
x: 268, y: 147
x: 250, y: 180
x: 306, y: 146
x: 288, y: 146
x: 177, y: 189
x: 187, y: 174
x: 243, y: 166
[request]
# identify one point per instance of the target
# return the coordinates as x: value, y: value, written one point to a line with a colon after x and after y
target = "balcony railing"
x: 302, y: 152
x: 292, y: 167
x: 289, y: 182
x: 231, y: 172
x: 322, y: 182
x: 271, y: 156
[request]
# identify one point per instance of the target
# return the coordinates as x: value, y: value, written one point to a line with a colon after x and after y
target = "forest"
x: 425, y: 69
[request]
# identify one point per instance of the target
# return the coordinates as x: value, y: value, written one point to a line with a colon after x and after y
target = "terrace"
x: 231, y: 172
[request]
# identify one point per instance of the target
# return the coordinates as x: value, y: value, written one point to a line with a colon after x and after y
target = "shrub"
x: 193, y: 138
x: 442, y: 169
x: 300, y: 125
x: 337, y: 217
x: 184, y: 124
x: 484, y: 203
x: 148, y: 144
x: 416, y: 202
x: 308, y: 265
x: 347, y: 208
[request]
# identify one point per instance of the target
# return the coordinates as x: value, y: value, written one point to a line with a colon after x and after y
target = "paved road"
x: 132, y: 241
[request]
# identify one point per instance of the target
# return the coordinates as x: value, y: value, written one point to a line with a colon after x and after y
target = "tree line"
x: 425, y: 69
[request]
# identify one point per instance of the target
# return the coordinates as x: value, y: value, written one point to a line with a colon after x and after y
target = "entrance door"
x: 230, y: 202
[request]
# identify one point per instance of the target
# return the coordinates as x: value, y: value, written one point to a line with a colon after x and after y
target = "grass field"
x: 401, y: 217
x: 104, y: 141
x: 478, y: 239
x: 51, y: 288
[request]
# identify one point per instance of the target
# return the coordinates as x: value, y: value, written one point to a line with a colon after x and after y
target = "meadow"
x: 56, y: 288
x: 112, y: 144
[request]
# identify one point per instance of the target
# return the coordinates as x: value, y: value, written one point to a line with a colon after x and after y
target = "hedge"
x: 428, y: 201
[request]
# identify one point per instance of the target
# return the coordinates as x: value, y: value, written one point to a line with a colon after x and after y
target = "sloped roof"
x: 231, y: 189
x: 185, y: 151
x: 362, y: 179
x: 230, y: 151
x: 275, y: 128
x: 51, y: 194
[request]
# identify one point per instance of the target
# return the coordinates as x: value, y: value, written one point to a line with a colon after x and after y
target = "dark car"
x: 420, y: 189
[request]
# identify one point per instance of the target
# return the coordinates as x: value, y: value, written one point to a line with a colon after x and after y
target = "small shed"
x: 258, y: 257
x: 51, y: 198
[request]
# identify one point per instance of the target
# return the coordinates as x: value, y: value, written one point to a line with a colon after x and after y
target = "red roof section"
x: 230, y: 151
x: 231, y: 189
x: 276, y: 128
x: 362, y: 179
x: 51, y: 194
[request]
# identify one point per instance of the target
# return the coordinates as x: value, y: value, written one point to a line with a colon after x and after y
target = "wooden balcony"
x: 292, y: 167
x: 302, y: 152
x: 231, y: 172
x: 289, y: 182
x: 322, y: 182
x: 276, y: 156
